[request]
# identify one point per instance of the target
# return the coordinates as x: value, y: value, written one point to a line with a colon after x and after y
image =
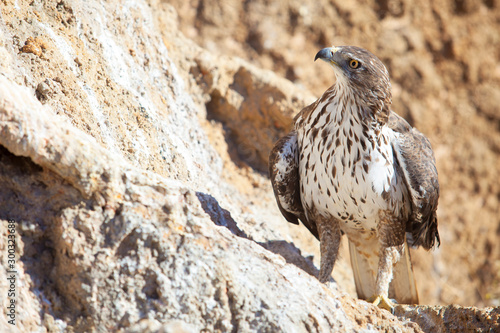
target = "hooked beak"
x: 327, y: 55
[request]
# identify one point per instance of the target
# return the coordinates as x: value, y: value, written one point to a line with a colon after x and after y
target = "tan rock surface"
x: 137, y: 188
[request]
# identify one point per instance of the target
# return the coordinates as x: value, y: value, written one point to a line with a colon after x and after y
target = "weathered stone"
x: 451, y: 318
x: 128, y: 158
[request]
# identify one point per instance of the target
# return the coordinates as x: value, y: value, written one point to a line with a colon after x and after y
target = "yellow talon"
x: 382, y: 302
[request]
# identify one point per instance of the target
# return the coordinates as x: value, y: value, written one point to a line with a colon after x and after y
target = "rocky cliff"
x: 132, y: 163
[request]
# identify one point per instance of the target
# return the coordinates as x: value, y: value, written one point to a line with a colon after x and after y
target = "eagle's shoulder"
x: 414, y: 154
x: 304, y: 114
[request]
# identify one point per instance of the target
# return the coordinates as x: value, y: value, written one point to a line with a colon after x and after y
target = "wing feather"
x: 284, y: 173
x: 416, y: 158
x: 403, y: 287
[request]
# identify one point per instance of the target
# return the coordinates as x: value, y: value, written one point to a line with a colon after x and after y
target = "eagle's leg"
x: 389, y: 256
x: 391, y: 236
x: 329, y: 237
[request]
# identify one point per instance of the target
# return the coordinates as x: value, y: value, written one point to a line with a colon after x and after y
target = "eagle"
x: 352, y: 166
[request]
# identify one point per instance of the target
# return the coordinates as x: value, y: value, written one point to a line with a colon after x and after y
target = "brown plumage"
x: 353, y: 166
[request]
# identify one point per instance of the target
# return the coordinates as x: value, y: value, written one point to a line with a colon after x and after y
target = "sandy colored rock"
x: 451, y: 318
x: 34, y: 45
x: 133, y: 162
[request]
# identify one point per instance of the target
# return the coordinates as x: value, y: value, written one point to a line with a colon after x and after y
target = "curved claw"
x: 382, y: 302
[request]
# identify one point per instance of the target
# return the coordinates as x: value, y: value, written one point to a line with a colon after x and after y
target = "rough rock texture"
x: 131, y: 161
x: 452, y: 318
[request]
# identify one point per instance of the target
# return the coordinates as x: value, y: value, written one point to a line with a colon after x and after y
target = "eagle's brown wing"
x: 284, y: 173
x: 414, y: 154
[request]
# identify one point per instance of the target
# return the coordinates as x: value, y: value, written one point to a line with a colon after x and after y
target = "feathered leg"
x: 329, y: 237
x: 392, y: 236
x: 389, y: 256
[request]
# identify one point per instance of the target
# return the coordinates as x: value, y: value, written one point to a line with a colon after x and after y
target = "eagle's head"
x: 362, y: 73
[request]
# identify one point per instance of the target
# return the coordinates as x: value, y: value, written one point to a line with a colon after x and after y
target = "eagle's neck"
x: 341, y: 108
x: 370, y: 105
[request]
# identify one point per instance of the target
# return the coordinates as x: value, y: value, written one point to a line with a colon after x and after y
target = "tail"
x: 402, y: 287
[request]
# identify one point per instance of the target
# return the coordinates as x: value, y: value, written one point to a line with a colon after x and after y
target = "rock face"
x: 131, y: 165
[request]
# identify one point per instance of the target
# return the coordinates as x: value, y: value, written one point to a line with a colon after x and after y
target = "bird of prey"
x: 352, y: 166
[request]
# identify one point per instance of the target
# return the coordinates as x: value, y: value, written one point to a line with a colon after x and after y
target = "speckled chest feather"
x: 346, y: 164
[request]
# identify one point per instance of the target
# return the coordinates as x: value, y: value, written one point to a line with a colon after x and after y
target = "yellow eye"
x: 354, y: 64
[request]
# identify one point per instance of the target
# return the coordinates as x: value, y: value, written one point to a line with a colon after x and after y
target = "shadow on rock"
x: 291, y: 254
x: 288, y: 251
x: 219, y: 215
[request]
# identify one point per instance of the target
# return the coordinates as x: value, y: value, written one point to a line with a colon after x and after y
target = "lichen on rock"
x: 131, y: 162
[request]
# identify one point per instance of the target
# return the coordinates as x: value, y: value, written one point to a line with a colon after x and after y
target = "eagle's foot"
x: 382, y: 302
